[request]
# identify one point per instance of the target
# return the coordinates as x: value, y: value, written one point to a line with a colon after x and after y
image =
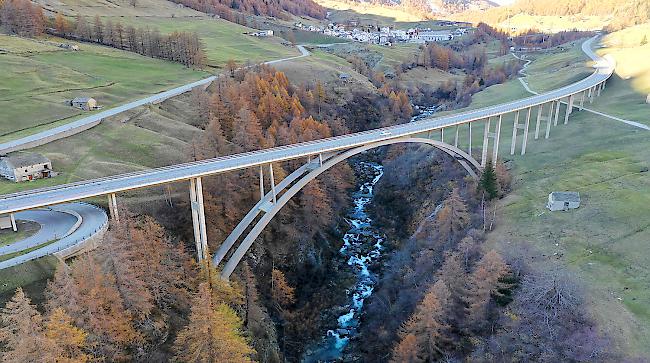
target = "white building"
x: 25, y: 166
x: 434, y: 36
x: 563, y: 201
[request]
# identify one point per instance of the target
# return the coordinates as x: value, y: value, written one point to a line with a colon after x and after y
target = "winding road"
x: 67, y: 225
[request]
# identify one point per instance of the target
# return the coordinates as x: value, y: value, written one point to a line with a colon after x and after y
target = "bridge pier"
x: 486, y: 133
x: 591, y: 94
x: 569, y: 107
x: 497, y: 136
x: 525, y: 136
x: 549, y: 120
x: 112, y: 207
x: 275, y: 197
x: 515, y: 127
x: 442, y: 135
x: 582, y: 100
x: 456, y: 137
x: 600, y: 88
x: 469, y: 147
x: 198, y: 218
x: 540, y: 108
x: 557, y: 111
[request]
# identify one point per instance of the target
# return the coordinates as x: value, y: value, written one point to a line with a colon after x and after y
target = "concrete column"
x: 262, y: 182
x: 442, y: 135
x: 582, y: 100
x: 549, y: 120
x: 568, y: 110
x: 456, y: 137
x: 275, y: 199
x: 204, y: 231
x: 600, y: 88
x: 496, y: 141
x: 526, y: 125
x: 540, y: 108
x: 429, y: 134
x: 591, y: 95
x: 485, y: 142
x: 12, y: 218
x: 557, y: 112
x: 320, y: 164
x: 514, y: 133
x: 571, y: 102
x: 112, y: 207
x: 469, y: 147
x: 196, y: 220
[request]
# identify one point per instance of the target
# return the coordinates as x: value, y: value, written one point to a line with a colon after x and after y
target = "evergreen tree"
x: 488, y: 182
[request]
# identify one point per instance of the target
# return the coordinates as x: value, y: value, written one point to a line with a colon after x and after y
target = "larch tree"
x: 102, y: 312
x: 484, y: 283
x: 406, y: 351
x: 428, y: 323
x: 67, y: 341
x: 62, y: 292
x: 453, y: 217
x: 21, y: 331
x: 213, y: 333
x: 283, y: 294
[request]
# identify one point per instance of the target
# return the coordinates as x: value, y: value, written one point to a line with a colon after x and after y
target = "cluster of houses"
x: 385, y: 35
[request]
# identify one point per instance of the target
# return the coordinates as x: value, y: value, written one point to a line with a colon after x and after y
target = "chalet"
x: 25, y: 166
x: 263, y: 33
x: 563, y: 201
x: 84, y: 103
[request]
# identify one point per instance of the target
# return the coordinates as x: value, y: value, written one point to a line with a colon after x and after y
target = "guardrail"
x: 65, y: 250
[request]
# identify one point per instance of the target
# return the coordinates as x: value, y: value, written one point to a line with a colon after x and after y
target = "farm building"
x: 563, y: 201
x: 84, y: 103
x: 25, y: 166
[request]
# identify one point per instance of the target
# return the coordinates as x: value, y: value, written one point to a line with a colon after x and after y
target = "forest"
x: 23, y: 18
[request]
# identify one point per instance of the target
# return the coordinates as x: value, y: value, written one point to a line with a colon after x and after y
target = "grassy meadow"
x: 603, y: 243
x: 39, y: 76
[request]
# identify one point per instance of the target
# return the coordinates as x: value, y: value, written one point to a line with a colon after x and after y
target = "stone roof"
x: 21, y: 160
x: 565, y: 196
x: 81, y: 99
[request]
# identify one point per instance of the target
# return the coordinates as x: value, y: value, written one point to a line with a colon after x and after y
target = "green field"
x: 31, y: 276
x: 223, y: 40
x: 604, y: 243
x: 25, y: 229
x: 39, y: 77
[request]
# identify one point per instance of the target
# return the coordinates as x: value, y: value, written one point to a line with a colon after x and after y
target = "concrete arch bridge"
x: 544, y: 111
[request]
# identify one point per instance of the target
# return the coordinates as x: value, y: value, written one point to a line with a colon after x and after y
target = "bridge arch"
x: 462, y: 157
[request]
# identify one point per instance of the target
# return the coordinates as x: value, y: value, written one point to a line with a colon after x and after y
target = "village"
x: 387, y: 35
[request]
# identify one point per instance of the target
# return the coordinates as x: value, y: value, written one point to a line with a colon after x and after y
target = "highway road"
x: 75, y: 191
x: 68, y: 224
x: 87, y: 122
